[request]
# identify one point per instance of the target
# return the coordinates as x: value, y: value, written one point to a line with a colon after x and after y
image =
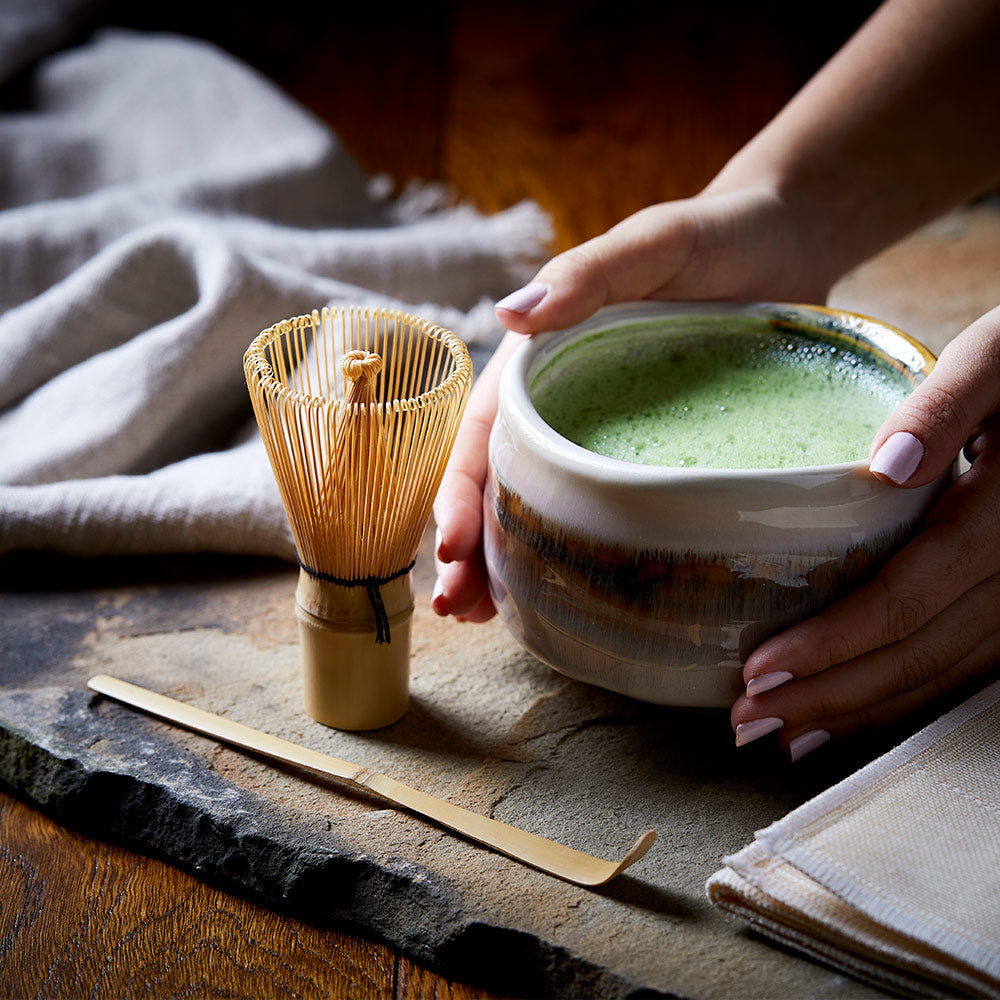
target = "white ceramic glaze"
x: 658, y: 582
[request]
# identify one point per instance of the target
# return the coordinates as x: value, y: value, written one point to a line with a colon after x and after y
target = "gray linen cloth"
x: 160, y: 204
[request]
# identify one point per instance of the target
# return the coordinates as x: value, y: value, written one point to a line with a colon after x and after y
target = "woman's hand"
x: 930, y: 620
x: 717, y: 246
x: 461, y: 588
x: 867, y: 151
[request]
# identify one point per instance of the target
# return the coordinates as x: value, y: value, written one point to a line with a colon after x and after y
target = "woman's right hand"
x: 734, y: 245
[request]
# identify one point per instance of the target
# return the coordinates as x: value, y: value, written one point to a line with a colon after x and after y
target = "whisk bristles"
x: 358, y: 457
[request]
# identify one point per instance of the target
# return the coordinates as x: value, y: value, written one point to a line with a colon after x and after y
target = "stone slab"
x: 489, y: 728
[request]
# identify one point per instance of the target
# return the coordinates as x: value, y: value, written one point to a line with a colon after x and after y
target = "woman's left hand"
x: 930, y: 619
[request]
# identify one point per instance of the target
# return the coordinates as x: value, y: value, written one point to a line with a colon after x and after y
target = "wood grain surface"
x: 83, y: 919
x: 593, y: 110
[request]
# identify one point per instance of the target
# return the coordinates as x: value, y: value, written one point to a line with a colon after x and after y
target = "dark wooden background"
x: 591, y: 109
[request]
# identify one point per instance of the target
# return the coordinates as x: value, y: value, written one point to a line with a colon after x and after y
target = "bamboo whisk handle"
x: 350, y: 681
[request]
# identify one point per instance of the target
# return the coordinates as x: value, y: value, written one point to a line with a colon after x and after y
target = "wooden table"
x: 592, y: 112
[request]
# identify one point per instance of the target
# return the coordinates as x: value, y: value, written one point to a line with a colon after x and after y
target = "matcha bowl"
x: 654, y: 569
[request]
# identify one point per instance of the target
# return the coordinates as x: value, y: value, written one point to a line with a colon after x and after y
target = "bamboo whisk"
x: 358, y: 410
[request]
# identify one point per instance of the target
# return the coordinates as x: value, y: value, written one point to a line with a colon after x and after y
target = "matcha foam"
x: 748, y: 398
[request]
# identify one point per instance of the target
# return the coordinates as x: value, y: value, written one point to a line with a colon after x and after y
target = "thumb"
x: 635, y: 259
x: 929, y: 428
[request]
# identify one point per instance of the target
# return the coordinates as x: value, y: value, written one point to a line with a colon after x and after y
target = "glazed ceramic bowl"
x: 658, y: 582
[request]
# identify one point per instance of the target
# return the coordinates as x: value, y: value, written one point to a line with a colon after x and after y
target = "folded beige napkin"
x: 892, y: 875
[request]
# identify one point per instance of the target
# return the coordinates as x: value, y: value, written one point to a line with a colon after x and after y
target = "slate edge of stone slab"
x: 245, y: 846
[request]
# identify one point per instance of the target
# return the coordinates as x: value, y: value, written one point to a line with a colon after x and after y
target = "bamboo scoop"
x: 358, y: 451
x: 545, y: 855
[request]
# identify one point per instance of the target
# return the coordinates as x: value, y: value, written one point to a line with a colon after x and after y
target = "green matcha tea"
x: 742, y: 399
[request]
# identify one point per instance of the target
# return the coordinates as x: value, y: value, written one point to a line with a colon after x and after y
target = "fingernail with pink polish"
x: 524, y: 299
x: 803, y: 744
x: 764, y: 682
x: 898, y: 457
x: 747, y: 732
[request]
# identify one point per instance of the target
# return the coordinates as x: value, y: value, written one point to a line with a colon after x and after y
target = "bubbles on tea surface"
x: 738, y: 397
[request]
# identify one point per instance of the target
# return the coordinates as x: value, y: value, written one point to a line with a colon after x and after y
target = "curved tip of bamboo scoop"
x: 637, y: 851
x: 601, y: 872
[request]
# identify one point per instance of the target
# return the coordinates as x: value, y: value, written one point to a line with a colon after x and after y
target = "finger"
x: 850, y: 692
x: 929, y: 428
x: 799, y: 740
x: 985, y: 438
x: 634, y: 260
x: 458, y: 504
x: 462, y: 590
x: 955, y: 551
x: 482, y: 612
